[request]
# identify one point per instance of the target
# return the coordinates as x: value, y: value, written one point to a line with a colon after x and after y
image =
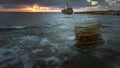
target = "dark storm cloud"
x: 57, y: 3
x: 53, y: 3
x: 14, y: 6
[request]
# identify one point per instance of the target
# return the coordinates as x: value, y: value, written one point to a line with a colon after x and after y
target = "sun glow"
x: 37, y: 8
x: 30, y: 8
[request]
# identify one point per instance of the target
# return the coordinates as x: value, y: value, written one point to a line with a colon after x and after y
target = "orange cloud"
x: 37, y: 8
x: 33, y: 8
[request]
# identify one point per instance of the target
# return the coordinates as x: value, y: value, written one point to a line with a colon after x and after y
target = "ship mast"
x: 67, y: 5
x: 67, y: 9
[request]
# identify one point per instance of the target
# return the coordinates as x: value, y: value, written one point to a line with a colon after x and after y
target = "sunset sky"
x: 57, y: 5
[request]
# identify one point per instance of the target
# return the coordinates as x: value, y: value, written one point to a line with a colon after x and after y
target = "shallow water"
x: 46, y: 40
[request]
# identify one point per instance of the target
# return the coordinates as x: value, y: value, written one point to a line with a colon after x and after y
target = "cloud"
x: 113, y: 2
x: 110, y: 4
x: 76, y: 4
x: 89, y: 1
x: 57, y: 3
x: 94, y: 3
x: 92, y: 8
x: 1, y: 6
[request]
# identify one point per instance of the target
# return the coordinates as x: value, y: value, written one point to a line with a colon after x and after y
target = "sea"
x: 47, y: 40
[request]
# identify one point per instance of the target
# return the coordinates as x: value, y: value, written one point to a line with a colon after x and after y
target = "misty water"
x: 46, y: 40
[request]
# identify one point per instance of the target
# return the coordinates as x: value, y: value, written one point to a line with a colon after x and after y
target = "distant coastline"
x: 113, y: 12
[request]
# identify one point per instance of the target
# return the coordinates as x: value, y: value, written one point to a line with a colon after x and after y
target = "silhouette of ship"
x: 67, y: 10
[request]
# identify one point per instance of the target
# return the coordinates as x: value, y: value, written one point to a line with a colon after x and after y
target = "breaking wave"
x: 30, y: 52
x: 16, y: 27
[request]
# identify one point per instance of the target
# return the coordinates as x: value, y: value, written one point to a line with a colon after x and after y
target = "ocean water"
x: 46, y: 40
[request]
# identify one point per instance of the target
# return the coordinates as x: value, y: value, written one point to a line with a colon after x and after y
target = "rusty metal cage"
x: 87, y: 35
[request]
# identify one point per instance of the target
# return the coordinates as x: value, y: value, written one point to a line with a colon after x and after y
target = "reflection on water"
x: 46, y: 40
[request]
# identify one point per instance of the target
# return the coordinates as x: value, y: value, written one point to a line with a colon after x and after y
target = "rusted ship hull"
x: 67, y: 11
